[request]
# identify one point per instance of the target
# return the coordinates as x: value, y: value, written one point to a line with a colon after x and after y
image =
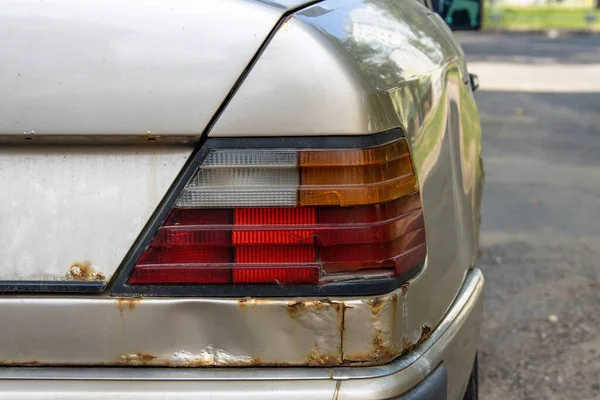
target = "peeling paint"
x: 83, y: 271
x: 210, y: 356
x: 387, y: 339
x: 316, y: 358
x: 381, y: 338
x: 298, y: 306
x: 382, y: 350
x: 324, y: 319
x: 383, y: 342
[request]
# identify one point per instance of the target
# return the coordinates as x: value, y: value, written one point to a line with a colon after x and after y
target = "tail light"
x: 290, y: 216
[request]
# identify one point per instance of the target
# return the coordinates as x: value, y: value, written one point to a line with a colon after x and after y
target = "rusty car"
x: 223, y: 199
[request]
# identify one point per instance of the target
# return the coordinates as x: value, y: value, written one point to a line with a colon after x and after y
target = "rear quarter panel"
x: 359, y: 67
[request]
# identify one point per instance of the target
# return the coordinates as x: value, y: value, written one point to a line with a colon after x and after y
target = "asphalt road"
x: 540, y: 240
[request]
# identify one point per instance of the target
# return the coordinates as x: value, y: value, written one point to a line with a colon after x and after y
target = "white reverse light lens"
x: 241, y: 178
x: 263, y: 197
x: 252, y: 158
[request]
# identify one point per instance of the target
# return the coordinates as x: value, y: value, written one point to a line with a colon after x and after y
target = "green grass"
x: 540, y: 17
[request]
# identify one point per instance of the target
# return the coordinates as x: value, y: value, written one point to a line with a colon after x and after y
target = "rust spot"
x: 394, y: 299
x: 255, y: 362
x: 142, y: 359
x: 83, y: 271
x: 127, y: 304
x: 404, y: 288
x: 308, y: 310
x: 381, y: 352
x: 341, y: 314
x: 254, y: 301
x: 318, y: 359
x: 244, y: 301
x: 376, y: 304
x: 31, y: 363
x: 136, y: 359
x: 296, y: 307
x: 425, y: 331
x: 407, y: 346
x: 356, y: 358
x: 384, y: 346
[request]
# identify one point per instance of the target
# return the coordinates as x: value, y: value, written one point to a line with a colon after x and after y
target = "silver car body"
x: 103, y: 104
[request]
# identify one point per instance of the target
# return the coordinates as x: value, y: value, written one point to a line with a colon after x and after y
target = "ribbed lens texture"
x: 269, y: 217
x: 356, y: 177
x: 347, y: 175
x: 375, y: 155
x: 291, y: 217
x: 182, y: 237
x: 246, y: 177
x: 288, y: 275
x: 275, y: 254
x: 239, y: 178
x: 254, y: 158
x: 268, y: 197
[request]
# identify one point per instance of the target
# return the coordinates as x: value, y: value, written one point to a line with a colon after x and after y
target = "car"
x: 254, y: 199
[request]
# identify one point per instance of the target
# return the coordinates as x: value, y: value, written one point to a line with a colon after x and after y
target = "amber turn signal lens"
x: 352, y: 157
x: 356, y: 177
x: 345, y: 196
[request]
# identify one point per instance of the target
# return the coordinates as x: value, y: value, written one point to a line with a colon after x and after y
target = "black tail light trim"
x: 357, y: 287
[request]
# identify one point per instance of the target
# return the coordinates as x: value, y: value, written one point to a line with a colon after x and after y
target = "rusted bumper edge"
x: 453, y: 344
x: 209, y: 332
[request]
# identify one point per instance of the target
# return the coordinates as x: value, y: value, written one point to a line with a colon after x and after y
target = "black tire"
x: 472, y: 392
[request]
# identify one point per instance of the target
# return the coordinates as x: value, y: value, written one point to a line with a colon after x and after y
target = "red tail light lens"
x: 290, y: 217
x: 289, y: 275
x: 177, y: 274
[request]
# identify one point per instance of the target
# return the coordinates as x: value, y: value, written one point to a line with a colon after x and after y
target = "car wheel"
x: 472, y: 392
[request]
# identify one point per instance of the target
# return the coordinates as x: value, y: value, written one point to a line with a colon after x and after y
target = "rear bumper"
x: 450, y: 348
